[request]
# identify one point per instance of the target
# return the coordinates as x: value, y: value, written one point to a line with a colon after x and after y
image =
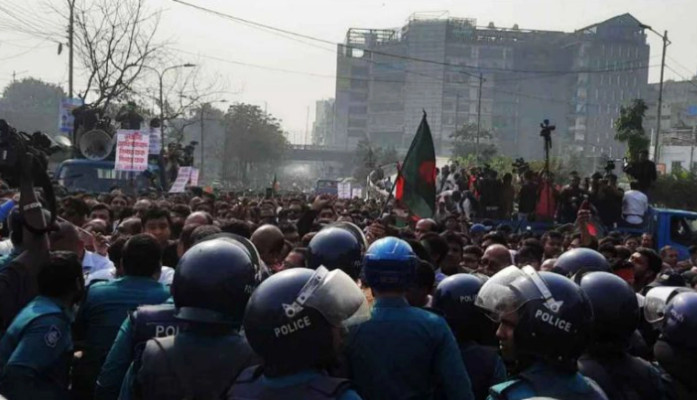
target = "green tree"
x: 254, y: 143
x: 31, y: 105
x: 629, y: 128
x: 676, y: 190
x: 465, y: 142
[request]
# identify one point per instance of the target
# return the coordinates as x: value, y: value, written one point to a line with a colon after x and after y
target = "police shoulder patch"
x: 52, y: 337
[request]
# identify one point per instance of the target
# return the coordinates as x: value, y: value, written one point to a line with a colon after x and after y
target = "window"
x: 682, y: 229
x: 676, y: 166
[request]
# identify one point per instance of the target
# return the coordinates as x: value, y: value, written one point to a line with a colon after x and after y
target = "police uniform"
x: 402, y: 352
x: 484, y: 367
x: 622, y: 376
x: 100, y: 317
x: 303, y: 385
x: 36, y: 352
x: 196, y: 364
x: 145, y: 323
x: 540, y: 380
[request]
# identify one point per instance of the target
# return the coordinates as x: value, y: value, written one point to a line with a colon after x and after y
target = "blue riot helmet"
x: 554, y: 315
x: 355, y: 231
x: 263, y: 271
x: 290, y: 317
x: 574, y: 263
x: 656, y: 301
x: 213, y: 282
x: 454, y: 298
x: 335, y: 248
x: 680, y: 322
x: 615, y: 307
x: 390, y: 264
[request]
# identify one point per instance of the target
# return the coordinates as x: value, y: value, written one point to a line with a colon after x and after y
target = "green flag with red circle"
x: 416, y: 183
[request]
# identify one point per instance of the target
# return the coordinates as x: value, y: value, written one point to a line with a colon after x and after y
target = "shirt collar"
x: 393, y: 302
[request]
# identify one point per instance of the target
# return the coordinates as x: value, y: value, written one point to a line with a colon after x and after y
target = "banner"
x: 155, y: 142
x: 131, y: 150
x: 344, y: 190
x: 356, y: 192
x: 194, y: 177
x: 179, y: 185
x: 65, y: 114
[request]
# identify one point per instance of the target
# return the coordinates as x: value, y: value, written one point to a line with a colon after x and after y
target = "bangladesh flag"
x: 416, y: 179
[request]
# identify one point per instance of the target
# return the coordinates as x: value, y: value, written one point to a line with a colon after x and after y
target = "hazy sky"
x: 200, y: 36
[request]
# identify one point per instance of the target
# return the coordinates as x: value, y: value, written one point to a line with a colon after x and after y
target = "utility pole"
x: 479, y: 116
x: 200, y: 172
x: 307, y: 125
x: 660, y: 97
x: 71, y: 4
x: 666, y: 42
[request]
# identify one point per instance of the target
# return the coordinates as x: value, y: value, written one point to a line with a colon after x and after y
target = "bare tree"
x: 114, y: 40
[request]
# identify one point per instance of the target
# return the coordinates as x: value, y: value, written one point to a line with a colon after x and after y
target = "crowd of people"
x: 203, y: 296
x: 534, y: 196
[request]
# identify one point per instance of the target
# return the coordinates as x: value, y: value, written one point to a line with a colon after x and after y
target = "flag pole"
x: 391, y: 194
x: 399, y: 172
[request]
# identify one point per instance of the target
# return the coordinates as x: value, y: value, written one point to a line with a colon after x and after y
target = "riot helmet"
x: 454, y: 298
x: 554, y: 316
x: 390, y: 264
x: 574, y: 263
x: 213, y: 282
x: 335, y: 248
x: 355, y: 231
x: 290, y: 317
x: 656, y: 301
x: 615, y: 307
x: 679, y: 326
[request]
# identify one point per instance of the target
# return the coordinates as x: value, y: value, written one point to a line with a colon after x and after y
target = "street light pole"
x: 666, y: 42
x: 160, y: 75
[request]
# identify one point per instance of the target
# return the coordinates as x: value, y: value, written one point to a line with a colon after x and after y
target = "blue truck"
x: 92, y: 176
x: 669, y: 227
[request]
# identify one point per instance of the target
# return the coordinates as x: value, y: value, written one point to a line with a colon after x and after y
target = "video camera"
x: 38, y: 146
x: 13, y: 144
x: 520, y: 166
x: 609, y: 166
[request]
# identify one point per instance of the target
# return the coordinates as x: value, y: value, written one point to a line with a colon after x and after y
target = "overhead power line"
x: 377, y: 52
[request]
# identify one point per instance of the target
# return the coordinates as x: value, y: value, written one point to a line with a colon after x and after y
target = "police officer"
x: 211, y: 288
x: 615, y: 318
x: 336, y: 248
x: 454, y: 297
x: 676, y: 348
x: 545, y: 322
x: 293, y: 321
x: 36, y: 351
x: 574, y: 263
x: 402, y: 351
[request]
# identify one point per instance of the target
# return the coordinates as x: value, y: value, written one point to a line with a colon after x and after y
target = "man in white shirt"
x: 635, y: 204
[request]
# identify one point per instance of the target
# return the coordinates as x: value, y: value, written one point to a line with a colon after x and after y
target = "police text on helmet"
x: 292, y: 326
x: 553, y: 320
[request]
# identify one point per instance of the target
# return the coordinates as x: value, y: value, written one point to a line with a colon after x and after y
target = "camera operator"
x: 643, y: 170
x: 18, y: 284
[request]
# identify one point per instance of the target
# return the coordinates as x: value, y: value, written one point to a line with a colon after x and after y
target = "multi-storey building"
x: 507, y: 79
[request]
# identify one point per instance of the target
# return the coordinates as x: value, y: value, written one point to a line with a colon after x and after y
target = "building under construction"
x: 507, y: 80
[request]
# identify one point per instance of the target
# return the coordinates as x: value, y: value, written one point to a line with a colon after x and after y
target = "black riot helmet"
x: 554, y: 315
x: 615, y: 306
x: 213, y: 282
x: 291, y: 315
x: 336, y: 248
x: 454, y: 298
x: 574, y: 263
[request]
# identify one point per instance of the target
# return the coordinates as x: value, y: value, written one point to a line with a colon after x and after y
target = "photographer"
x: 643, y: 170
x: 18, y: 283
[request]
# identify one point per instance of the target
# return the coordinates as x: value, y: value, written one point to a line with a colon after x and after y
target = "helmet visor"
x: 510, y: 289
x: 656, y: 301
x: 336, y: 296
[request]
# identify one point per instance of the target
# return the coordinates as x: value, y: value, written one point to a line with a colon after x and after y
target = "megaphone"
x: 95, y: 144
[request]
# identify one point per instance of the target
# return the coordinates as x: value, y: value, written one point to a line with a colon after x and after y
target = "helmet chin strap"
x: 542, y: 288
